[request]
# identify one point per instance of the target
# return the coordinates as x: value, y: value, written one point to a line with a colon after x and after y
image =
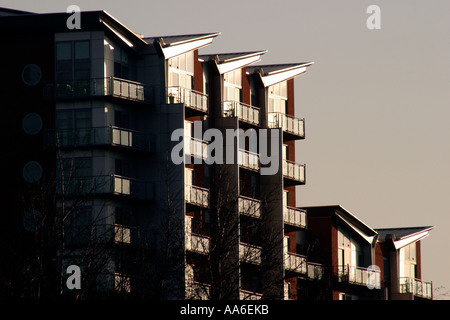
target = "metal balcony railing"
x: 250, y: 207
x: 359, y: 276
x: 190, y: 98
x: 197, y: 243
x: 96, y: 87
x: 417, y: 287
x: 196, y: 147
x: 197, y: 196
x: 248, y: 159
x: 249, y: 253
x: 99, y: 136
x: 294, y: 216
x: 294, y: 171
x: 287, y: 123
x: 242, y: 111
x: 295, y: 262
x: 105, y: 184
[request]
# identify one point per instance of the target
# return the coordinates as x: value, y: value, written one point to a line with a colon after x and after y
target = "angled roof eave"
x: 185, y: 43
x: 399, y: 242
x: 282, y: 72
x: 227, y: 62
x: 120, y: 30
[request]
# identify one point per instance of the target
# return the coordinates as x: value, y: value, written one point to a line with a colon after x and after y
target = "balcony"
x: 289, y: 124
x: 125, y: 234
x: 242, y: 111
x: 294, y: 217
x: 197, y: 243
x: 295, y: 262
x: 96, y: 87
x: 190, y: 98
x: 249, y: 253
x: 196, y: 148
x: 250, y: 207
x: 249, y: 295
x: 106, y: 185
x: 417, y: 287
x: 359, y: 276
x: 315, y: 271
x: 294, y: 171
x: 197, y: 291
x: 248, y: 160
x: 196, y: 196
x: 99, y: 136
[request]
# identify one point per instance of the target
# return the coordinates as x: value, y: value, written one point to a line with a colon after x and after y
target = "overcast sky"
x: 376, y: 102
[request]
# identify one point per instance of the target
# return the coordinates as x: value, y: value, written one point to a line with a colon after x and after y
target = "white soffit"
x: 404, y: 242
x: 121, y: 37
x: 174, y: 50
x: 236, y: 64
x: 369, y: 239
x: 271, y: 79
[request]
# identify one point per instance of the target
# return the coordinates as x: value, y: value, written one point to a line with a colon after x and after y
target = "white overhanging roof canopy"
x: 173, y: 46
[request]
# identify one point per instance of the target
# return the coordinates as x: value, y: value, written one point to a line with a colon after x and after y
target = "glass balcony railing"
x: 96, y: 87
x: 197, y: 196
x: 190, y: 98
x: 287, y: 123
x: 417, y: 287
x: 99, y: 136
x: 359, y: 276
x: 248, y: 159
x: 125, y: 234
x: 105, y: 184
x: 250, y: 207
x: 242, y: 111
x: 294, y: 171
x: 294, y: 216
x: 249, y: 253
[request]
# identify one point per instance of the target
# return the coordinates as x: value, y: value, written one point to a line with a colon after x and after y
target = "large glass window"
x: 181, y: 70
x: 278, y: 97
x: 232, y: 82
x: 73, y: 60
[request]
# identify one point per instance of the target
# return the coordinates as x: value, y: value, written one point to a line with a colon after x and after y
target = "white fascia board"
x: 404, y: 242
x: 369, y: 239
x: 121, y: 37
x: 175, y: 50
x: 281, y: 76
x: 236, y: 64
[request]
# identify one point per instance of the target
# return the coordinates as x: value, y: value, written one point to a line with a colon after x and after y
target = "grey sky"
x: 376, y: 102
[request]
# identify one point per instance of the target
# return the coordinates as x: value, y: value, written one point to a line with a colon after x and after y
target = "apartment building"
x: 402, y: 263
x: 362, y: 263
x: 93, y: 112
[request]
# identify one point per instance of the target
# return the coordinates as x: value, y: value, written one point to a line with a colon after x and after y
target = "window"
x: 120, y: 63
x: 232, y: 82
x: 73, y: 61
x: 181, y: 70
x: 278, y: 97
x: 78, y: 225
x: 74, y: 127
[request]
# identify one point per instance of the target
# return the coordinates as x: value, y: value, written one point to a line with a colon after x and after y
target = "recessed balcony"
x: 294, y: 217
x: 197, y: 243
x: 417, y: 287
x: 295, y: 172
x: 249, y: 295
x: 248, y: 160
x: 126, y: 235
x: 105, y: 185
x: 315, y: 271
x: 97, y: 87
x: 249, y: 207
x: 242, y: 111
x: 190, y: 98
x: 249, y: 253
x: 99, y: 136
x: 197, y: 196
x: 295, y: 262
x: 289, y: 124
x: 196, y: 147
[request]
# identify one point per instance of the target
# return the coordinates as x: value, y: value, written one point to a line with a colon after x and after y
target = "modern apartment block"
x: 365, y: 263
x: 93, y: 112
x: 167, y: 173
